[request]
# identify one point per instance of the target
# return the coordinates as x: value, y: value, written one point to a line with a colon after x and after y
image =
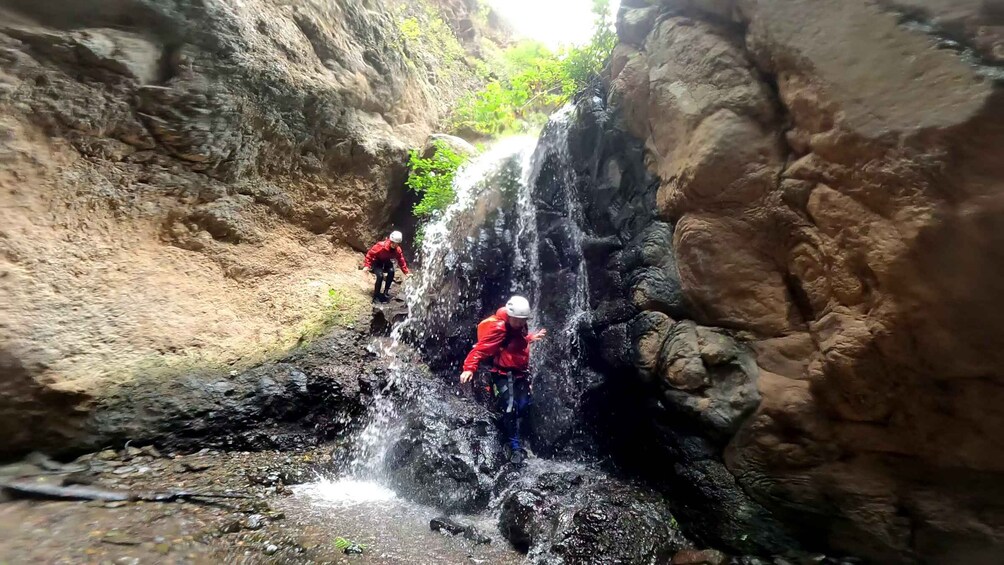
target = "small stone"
x: 271, y: 549
x: 107, y: 455
x: 194, y: 467
x: 254, y: 522
x: 231, y: 526
x: 120, y: 538
x: 133, y: 451
x: 151, y: 451
x: 162, y: 548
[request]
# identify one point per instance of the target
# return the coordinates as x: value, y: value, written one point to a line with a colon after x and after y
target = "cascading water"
x: 551, y: 231
x: 396, y: 456
x: 514, y: 228
x: 436, y: 294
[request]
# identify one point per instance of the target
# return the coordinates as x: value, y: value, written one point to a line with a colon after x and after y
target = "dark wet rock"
x: 452, y: 527
x: 448, y: 452
x: 681, y: 389
x: 386, y: 316
x: 573, y: 518
x: 314, y: 393
x: 448, y: 525
x: 708, y: 378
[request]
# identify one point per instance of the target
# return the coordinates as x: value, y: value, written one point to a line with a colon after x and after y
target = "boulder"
x: 570, y: 517
x: 447, y: 453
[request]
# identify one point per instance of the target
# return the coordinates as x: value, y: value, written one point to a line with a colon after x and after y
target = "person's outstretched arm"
x: 401, y: 261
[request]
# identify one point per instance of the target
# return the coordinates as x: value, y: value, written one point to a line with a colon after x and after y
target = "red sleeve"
x: 371, y: 255
x: 487, y: 346
x: 401, y: 261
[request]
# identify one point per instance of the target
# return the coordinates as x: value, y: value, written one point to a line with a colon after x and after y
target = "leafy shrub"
x: 432, y: 178
x: 536, y: 81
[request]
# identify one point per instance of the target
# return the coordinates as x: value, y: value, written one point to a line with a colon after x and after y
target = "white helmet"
x: 518, y: 307
x: 396, y: 237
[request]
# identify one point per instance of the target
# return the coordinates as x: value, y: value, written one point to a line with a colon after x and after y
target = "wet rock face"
x: 649, y: 376
x: 314, y: 394
x: 832, y: 207
x: 448, y: 452
x: 567, y: 517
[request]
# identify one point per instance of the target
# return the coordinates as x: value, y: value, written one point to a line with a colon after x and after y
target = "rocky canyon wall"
x: 807, y: 270
x: 183, y: 182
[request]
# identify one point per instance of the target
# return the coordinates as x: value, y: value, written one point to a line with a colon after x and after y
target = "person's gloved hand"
x: 538, y: 335
x: 466, y: 377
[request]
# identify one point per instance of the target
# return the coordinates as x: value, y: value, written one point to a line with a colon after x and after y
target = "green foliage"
x: 348, y: 546
x: 343, y: 307
x: 534, y: 81
x: 432, y: 178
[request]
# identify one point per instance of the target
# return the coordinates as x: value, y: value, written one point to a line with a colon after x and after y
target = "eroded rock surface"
x: 179, y: 197
x: 830, y: 173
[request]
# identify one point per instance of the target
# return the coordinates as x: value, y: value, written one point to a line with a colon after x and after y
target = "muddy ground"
x: 271, y: 525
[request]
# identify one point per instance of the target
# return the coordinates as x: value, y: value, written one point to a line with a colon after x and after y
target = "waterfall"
x: 514, y: 228
x: 552, y: 220
x: 435, y: 295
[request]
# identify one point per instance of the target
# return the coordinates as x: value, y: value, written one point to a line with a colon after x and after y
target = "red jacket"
x: 512, y: 353
x: 382, y: 251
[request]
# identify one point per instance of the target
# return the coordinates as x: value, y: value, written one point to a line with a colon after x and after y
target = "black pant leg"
x: 389, y: 272
x: 378, y: 271
x: 506, y: 402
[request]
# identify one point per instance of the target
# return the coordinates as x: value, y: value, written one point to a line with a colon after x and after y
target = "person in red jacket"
x: 380, y: 261
x: 504, y: 339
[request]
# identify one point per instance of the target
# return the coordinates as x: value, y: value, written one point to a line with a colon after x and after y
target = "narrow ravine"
x: 764, y: 237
